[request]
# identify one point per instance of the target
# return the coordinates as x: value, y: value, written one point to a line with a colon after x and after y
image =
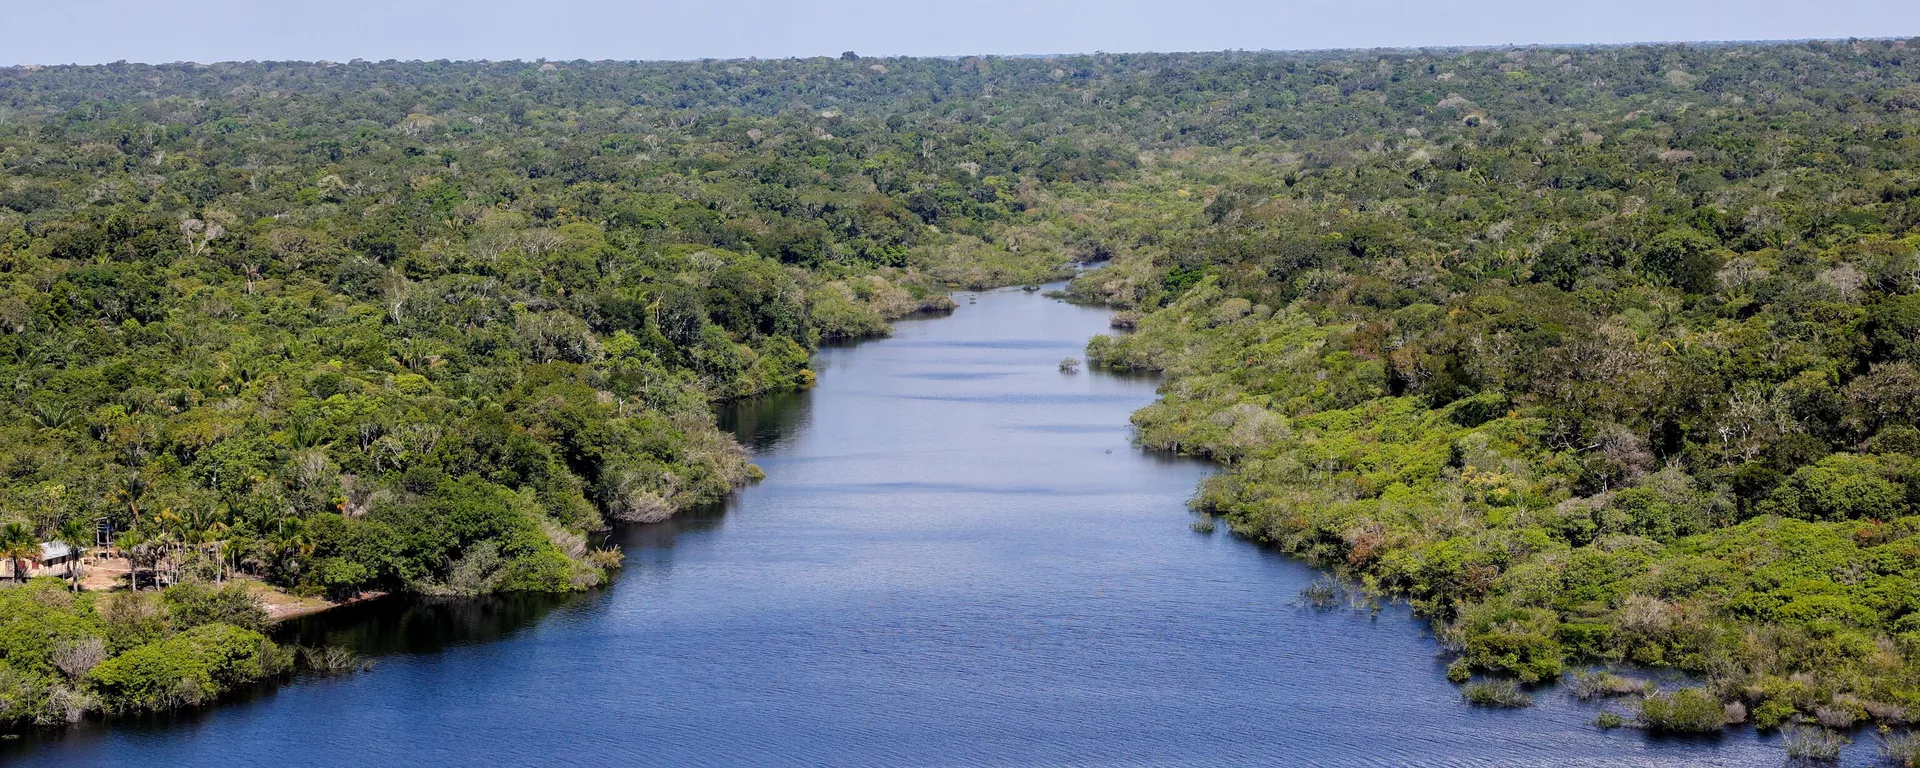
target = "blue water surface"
x: 957, y: 559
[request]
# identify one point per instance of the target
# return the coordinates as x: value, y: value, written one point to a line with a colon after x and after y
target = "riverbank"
x: 282, y: 606
x: 1533, y: 553
x: 109, y: 574
x: 957, y: 557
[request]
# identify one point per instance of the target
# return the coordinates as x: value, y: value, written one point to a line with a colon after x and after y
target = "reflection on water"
x: 761, y: 423
x: 403, y: 625
x: 957, y: 558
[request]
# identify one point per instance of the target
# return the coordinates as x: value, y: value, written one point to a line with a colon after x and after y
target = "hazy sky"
x: 93, y: 31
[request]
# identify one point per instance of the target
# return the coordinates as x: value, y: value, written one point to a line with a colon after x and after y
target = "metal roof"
x: 51, y: 550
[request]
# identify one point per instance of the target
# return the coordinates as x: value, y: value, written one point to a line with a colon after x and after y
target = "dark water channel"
x: 956, y: 559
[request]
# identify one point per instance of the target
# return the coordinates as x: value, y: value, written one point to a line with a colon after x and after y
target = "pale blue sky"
x: 93, y: 31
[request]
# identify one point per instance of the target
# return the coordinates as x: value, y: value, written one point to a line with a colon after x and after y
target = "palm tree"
x: 216, y: 536
x: 290, y: 543
x: 175, y: 533
x: 18, y: 543
x: 133, y: 544
x: 203, y: 528
x: 76, y: 531
x: 52, y: 416
x: 162, y: 545
x: 131, y: 487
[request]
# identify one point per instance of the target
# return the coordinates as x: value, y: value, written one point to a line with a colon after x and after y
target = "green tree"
x: 18, y: 545
x: 77, y: 533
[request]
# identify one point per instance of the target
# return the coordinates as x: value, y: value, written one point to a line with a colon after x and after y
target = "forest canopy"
x: 1598, y: 354
x: 1599, y: 357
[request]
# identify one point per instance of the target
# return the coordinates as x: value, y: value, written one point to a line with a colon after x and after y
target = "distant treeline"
x: 1599, y: 354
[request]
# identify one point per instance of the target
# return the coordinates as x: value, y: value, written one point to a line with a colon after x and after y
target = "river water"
x: 957, y: 559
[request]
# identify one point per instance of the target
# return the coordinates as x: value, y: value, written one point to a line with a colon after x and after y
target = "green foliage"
x: 1497, y: 693
x: 63, y: 654
x: 1600, y: 355
x: 1687, y: 710
x: 37, y: 620
x: 187, y: 669
x: 1558, y: 363
x: 1511, y: 640
x: 1814, y: 744
x: 1841, y: 487
x: 309, y: 334
x: 192, y: 604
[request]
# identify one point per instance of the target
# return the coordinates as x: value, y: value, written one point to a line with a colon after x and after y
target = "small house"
x: 54, y: 553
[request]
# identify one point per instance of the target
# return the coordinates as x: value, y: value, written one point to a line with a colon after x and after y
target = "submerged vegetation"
x: 1503, y: 694
x: 1687, y: 710
x: 1814, y: 744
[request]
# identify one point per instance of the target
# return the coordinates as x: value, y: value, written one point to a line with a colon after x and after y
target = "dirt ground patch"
x: 102, y: 574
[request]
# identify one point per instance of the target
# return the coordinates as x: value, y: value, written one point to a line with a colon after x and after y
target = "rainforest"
x: 1606, y: 359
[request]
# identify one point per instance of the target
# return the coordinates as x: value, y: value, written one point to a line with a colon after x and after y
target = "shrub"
x: 1902, y: 749
x: 1324, y: 593
x: 1596, y: 684
x: 76, y: 657
x: 1497, y: 693
x: 1841, y: 486
x: 184, y: 670
x: 1609, y: 720
x: 1688, y: 710
x: 132, y: 619
x: 1834, y: 717
x: 1772, y: 713
x: 1814, y: 744
x: 1512, y: 640
x: 333, y: 660
x: 192, y: 604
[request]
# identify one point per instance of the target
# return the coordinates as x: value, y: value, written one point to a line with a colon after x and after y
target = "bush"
x: 192, y: 604
x: 184, y: 670
x: 1595, y: 684
x: 1688, y: 710
x: 1902, y: 749
x: 1840, y: 487
x: 1772, y: 713
x: 1814, y: 744
x: 1497, y: 693
x: 1324, y: 593
x: 1519, y: 641
x: 333, y: 660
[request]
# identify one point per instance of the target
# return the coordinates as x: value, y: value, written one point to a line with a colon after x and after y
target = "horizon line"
x: 1041, y: 56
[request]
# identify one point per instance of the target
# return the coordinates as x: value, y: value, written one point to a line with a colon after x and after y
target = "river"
x: 957, y: 559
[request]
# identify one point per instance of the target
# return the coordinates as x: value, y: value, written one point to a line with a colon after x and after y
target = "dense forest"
x: 1599, y: 358
x: 1598, y: 355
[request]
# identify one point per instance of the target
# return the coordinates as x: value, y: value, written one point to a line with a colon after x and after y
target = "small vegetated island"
x: 1599, y: 355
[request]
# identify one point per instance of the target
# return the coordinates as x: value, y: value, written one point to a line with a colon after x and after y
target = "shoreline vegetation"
x: 1596, y: 355
x: 303, y: 334
x: 1604, y: 359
